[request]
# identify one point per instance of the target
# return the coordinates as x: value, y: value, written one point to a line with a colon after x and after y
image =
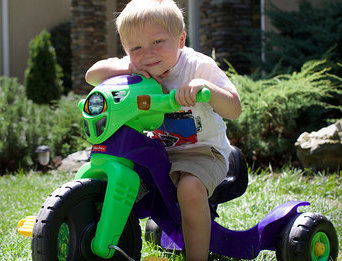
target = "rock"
x: 321, y: 150
x: 75, y: 160
x: 56, y: 162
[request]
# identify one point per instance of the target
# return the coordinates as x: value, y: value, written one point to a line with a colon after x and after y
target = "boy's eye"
x: 135, y: 48
x: 158, y: 41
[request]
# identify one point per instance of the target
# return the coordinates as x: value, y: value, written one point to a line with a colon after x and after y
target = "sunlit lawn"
x: 22, y: 195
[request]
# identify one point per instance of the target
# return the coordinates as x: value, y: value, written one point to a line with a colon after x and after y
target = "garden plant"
x: 43, y: 76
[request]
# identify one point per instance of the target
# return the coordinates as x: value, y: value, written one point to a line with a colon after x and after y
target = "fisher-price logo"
x: 99, y: 148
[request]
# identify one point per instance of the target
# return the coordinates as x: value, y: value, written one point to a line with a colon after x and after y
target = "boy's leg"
x: 193, y: 200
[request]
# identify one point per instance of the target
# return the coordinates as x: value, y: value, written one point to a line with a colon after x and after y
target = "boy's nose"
x: 150, y: 51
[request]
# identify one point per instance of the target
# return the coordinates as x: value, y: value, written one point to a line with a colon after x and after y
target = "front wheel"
x: 308, y: 237
x: 67, y: 222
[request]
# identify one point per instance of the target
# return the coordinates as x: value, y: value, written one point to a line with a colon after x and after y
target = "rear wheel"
x: 67, y: 222
x: 308, y: 237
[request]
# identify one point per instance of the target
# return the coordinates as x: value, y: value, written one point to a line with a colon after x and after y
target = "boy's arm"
x: 224, y: 102
x: 107, y: 68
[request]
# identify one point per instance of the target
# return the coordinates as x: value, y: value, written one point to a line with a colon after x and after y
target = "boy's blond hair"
x: 163, y: 12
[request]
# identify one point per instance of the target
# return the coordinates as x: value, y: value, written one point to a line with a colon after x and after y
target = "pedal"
x: 25, y: 226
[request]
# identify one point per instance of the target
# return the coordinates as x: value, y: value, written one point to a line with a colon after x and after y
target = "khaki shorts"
x: 206, y: 163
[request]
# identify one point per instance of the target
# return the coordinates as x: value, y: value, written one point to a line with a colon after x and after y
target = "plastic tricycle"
x: 96, y: 216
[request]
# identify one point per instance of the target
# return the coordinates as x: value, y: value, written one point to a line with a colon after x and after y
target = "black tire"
x: 75, y: 208
x: 297, y: 241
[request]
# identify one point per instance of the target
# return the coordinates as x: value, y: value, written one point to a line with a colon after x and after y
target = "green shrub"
x: 276, y: 111
x: 18, y: 130
x: 60, y: 40
x: 25, y: 125
x: 67, y: 135
x: 43, y: 75
x: 303, y: 35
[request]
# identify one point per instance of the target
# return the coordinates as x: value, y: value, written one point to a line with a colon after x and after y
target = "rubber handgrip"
x: 203, y: 95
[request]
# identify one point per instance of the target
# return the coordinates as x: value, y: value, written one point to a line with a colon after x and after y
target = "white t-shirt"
x: 198, y: 125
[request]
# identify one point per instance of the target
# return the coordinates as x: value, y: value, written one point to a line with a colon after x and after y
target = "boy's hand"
x: 145, y: 74
x: 142, y: 72
x: 186, y: 95
x: 224, y: 102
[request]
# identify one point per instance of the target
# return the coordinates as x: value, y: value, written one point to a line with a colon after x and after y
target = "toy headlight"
x: 95, y: 104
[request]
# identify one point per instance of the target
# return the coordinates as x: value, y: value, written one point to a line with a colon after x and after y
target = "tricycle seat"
x: 233, y: 186
x: 236, y: 181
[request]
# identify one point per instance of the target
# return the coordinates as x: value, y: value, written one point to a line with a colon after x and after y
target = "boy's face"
x: 154, y: 49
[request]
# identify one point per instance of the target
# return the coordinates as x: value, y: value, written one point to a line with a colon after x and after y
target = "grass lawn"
x: 22, y: 195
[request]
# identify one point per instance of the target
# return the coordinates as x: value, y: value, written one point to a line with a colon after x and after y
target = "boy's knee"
x: 191, y: 190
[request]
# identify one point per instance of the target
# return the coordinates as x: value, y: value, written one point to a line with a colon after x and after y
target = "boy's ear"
x: 182, y: 40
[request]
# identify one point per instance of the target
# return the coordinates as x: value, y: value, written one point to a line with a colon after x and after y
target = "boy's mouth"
x: 152, y: 64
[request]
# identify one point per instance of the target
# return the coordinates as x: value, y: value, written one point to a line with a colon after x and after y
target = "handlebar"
x: 103, y: 114
x: 203, y: 95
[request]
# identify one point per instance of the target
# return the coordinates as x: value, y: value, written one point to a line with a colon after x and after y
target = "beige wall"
x: 27, y: 18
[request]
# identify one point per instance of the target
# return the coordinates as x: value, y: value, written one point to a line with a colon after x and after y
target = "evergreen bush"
x: 306, y: 34
x: 26, y: 125
x: 61, y: 41
x: 43, y: 75
x: 67, y: 135
x: 18, y: 130
x: 276, y: 111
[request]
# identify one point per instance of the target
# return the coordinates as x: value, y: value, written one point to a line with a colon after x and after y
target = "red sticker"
x: 99, y: 148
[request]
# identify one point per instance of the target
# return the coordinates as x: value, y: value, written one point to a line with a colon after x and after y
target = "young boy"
x: 152, y: 33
